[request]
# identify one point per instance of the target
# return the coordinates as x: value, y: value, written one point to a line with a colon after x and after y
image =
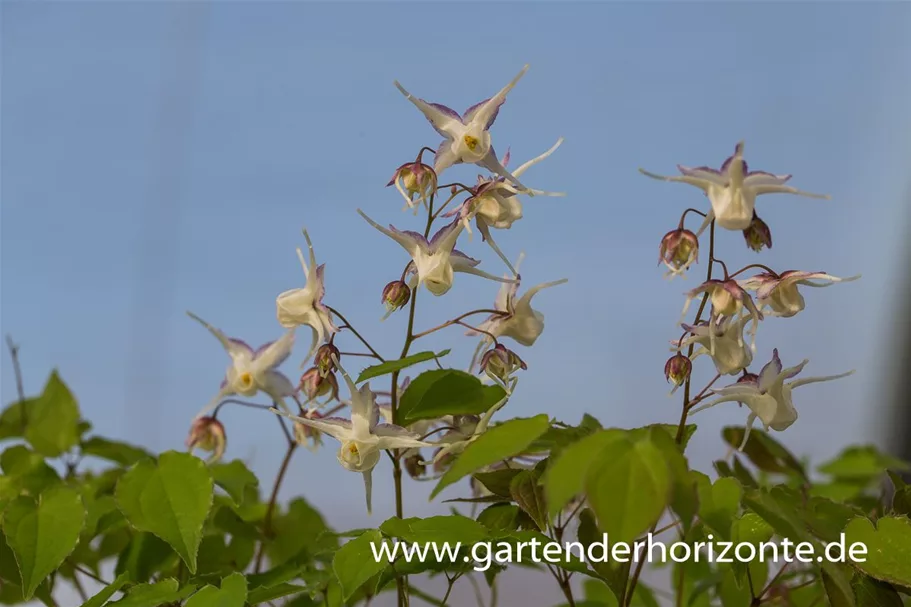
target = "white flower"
x: 779, y: 294
x: 252, y: 371
x: 725, y: 345
x: 434, y: 261
x: 362, y: 437
x: 299, y: 307
x: 769, y: 396
x: 518, y: 320
x: 466, y: 138
x: 732, y: 191
x: 494, y: 203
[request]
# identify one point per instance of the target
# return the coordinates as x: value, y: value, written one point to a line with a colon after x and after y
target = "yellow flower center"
x: 471, y: 142
x: 246, y: 378
x: 352, y: 449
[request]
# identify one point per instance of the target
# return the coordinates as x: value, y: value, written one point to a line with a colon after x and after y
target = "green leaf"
x: 764, y: 451
x: 301, y: 528
x: 497, y: 443
x: 684, y: 497
x: 234, y: 477
x: 888, y: 554
x: 11, y: 424
x: 170, y: 499
x: 497, y: 481
x: 154, y: 595
x: 43, y: 533
x: 114, y: 451
x: 500, y: 517
x: 53, y: 419
x: 670, y: 430
x: 568, y: 472
x: 719, y: 503
x: 397, y: 365
x: 529, y: 496
x: 440, y: 392
x: 599, y: 593
x: 107, y: 592
x: 354, y: 563
x: 143, y: 556
x: 454, y: 528
x: 871, y: 593
x: 264, y: 595
x: 629, y: 488
x: 616, y: 575
x: 233, y: 593
x: 25, y: 471
x: 780, y: 515
x: 862, y: 463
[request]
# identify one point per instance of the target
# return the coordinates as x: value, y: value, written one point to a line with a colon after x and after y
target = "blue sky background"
x: 159, y: 157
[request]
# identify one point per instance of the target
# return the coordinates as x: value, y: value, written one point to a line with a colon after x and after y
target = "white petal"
x: 339, y: 429
x: 408, y: 242
x: 237, y: 350
x: 444, y: 123
x: 518, y: 172
x: 701, y: 183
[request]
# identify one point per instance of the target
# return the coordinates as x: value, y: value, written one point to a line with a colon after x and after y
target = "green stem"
x: 681, y: 426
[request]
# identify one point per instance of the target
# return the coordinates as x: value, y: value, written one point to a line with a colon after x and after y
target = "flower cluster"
x: 315, y: 404
x: 734, y: 303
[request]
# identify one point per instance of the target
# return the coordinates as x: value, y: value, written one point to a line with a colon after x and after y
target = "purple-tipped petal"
x: 262, y: 349
x: 738, y: 151
x: 418, y: 237
x: 465, y: 259
x: 443, y: 233
x: 695, y: 171
x: 241, y: 344
x: 470, y: 112
x: 778, y: 178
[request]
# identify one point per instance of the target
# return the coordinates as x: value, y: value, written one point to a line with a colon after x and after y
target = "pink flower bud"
x: 414, y: 179
x: 306, y: 435
x: 208, y: 434
x: 414, y: 465
x: 395, y: 295
x: 323, y: 359
x: 758, y: 235
x: 679, y: 249
x: 677, y: 369
x: 314, y: 384
x: 500, y: 362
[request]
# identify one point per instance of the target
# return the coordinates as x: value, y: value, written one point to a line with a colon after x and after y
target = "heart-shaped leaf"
x: 170, y: 499
x: 43, y: 533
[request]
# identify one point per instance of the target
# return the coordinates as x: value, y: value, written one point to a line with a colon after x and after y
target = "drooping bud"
x: 313, y: 384
x: 679, y: 249
x: 323, y: 359
x: 395, y: 295
x: 414, y: 179
x: 414, y: 465
x: 466, y: 424
x: 758, y: 235
x: 500, y: 362
x: 208, y: 434
x: 677, y: 369
x: 307, y: 436
x: 441, y: 464
x: 748, y: 378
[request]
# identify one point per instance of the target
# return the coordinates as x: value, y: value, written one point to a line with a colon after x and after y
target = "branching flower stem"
x: 685, y: 409
x: 401, y: 582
